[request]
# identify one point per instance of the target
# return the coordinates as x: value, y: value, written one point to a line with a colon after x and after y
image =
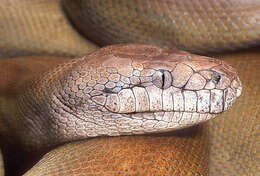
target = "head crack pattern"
x: 128, y: 89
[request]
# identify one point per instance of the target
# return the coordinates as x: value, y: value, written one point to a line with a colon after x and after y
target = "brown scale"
x: 116, y: 113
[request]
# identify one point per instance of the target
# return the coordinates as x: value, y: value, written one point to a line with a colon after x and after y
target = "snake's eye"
x: 216, y: 78
x: 162, y: 79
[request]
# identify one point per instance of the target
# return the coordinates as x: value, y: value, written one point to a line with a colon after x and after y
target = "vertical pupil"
x: 163, y: 80
x: 163, y: 77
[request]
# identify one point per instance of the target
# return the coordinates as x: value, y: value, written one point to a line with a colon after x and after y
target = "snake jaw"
x: 113, y: 92
x: 232, y: 93
x: 169, y: 107
x: 181, y: 88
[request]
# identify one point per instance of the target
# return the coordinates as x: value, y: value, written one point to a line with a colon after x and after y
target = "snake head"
x: 140, y: 78
x: 131, y: 89
x: 161, y: 89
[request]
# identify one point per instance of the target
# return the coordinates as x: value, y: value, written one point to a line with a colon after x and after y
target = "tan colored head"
x: 132, y: 89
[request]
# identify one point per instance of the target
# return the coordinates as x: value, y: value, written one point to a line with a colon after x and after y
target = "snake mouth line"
x: 160, y: 111
x: 173, y: 116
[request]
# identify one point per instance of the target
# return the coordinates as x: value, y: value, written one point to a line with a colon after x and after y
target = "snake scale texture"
x: 133, y: 91
x: 199, y: 26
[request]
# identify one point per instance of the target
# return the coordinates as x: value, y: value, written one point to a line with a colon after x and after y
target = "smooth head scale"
x: 124, y: 90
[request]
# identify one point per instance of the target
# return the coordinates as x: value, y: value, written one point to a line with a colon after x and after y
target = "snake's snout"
x: 233, y: 92
x: 135, y: 89
x: 239, y: 91
x: 229, y: 82
x: 237, y: 85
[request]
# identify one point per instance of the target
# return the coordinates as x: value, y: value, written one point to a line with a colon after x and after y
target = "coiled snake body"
x: 121, y: 90
x: 128, y: 89
x: 125, y: 89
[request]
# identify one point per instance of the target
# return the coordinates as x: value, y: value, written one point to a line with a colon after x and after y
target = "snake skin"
x: 227, y: 145
x: 38, y: 28
x: 122, y: 90
x: 14, y: 74
x: 67, y: 103
x: 231, y: 152
x: 199, y: 26
x: 172, y: 154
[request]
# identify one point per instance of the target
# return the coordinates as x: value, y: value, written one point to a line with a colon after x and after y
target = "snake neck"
x: 15, y: 75
x: 123, y: 90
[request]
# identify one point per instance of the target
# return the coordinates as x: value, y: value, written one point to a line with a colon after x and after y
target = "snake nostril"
x: 216, y: 78
x: 162, y: 79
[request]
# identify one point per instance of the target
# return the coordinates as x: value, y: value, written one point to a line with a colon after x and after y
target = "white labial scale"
x: 229, y: 98
x: 149, y: 124
x: 142, y: 99
x: 178, y: 100
x: 195, y: 119
x: 203, y: 101
x: 177, y: 117
x: 168, y: 99
x: 181, y: 120
x: 216, y: 101
x: 159, y: 115
x: 173, y: 125
x: 186, y: 119
x: 211, y: 116
x: 203, y: 117
x: 148, y: 116
x: 127, y: 101
x: 161, y: 125
x: 190, y: 98
x: 168, y: 116
x: 155, y: 96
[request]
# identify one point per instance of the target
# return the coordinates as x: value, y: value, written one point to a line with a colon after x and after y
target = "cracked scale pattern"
x: 40, y: 27
x: 232, y: 138
x: 130, y: 155
x: 199, y: 26
x: 125, y: 90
